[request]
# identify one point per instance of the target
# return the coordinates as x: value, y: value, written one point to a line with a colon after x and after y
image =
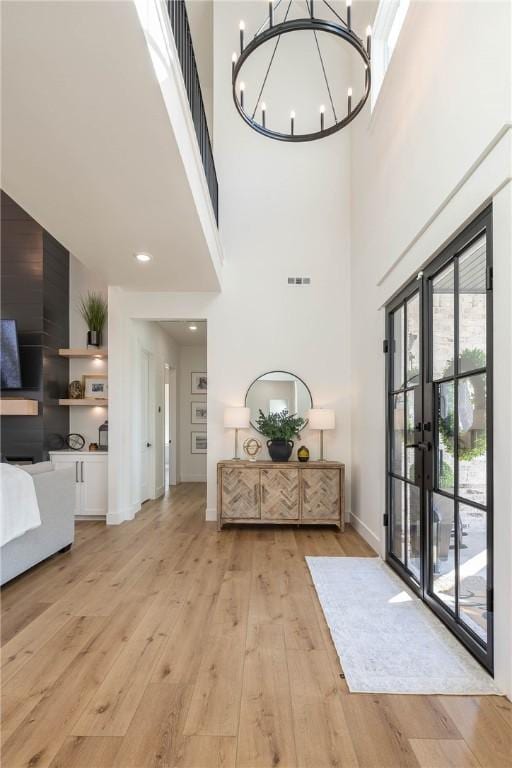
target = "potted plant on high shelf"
x: 280, y: 428
x: 94, y: 309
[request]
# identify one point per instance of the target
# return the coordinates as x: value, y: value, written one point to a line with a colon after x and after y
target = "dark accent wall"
x: 35, y: 293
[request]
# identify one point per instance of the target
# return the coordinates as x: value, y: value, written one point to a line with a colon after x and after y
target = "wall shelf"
x: 91, y: 401
x: 96, y: 352
x: 17, y: 406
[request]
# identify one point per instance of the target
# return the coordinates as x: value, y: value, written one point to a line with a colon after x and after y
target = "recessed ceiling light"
x: 192, y: 327
x: 142, y: 257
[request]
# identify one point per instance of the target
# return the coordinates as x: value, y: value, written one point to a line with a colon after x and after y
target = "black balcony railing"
x: 183, y: 40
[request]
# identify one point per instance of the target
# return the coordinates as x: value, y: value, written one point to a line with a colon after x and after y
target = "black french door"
x: 439, y: 436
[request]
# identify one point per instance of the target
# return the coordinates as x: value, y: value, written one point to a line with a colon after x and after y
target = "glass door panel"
x: 440, y: 437
x: 405, y: 520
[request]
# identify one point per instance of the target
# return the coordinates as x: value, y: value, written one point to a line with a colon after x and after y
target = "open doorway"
x: 185, y: 409
x: 171, y: 414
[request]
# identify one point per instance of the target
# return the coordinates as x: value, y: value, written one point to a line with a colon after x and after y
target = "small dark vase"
x: 94, y: 338
x: 280, y: 450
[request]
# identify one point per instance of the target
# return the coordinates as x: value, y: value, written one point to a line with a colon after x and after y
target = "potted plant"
x: 93, y: 309
x: 280, y: 428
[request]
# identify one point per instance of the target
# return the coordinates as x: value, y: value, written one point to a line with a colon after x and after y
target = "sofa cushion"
x: 38, y: 469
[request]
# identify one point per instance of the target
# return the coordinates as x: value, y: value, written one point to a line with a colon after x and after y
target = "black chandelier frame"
x: 312, y: 24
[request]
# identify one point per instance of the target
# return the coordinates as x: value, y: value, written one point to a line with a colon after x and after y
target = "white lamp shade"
x: 321, y: 418
x: 237, y: 418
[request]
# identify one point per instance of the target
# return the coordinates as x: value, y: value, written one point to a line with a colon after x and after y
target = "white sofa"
x: 55, y: 491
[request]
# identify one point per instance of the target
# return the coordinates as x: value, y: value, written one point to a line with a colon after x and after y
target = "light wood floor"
x: 164, y: 643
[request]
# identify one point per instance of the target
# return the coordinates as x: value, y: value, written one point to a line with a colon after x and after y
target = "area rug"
x: 387, y: 640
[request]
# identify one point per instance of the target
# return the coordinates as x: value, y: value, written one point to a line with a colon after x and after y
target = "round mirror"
x: 278, y: 391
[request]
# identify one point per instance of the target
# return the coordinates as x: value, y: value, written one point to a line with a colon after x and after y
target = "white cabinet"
x: 91, y: 494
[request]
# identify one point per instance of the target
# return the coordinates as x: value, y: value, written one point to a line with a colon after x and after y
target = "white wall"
x: 192, y: 465
x: 436, y: 150
x: 259, y: 323
x: 84, y: 421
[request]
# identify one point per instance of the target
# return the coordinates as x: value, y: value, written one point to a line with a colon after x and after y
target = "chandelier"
x: 258, y: 119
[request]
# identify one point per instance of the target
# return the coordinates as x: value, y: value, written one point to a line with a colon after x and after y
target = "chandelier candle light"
x: 272, y: 31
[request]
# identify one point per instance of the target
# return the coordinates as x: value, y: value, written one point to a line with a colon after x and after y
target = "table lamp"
x: 237, y: 418
x: 321, y: 418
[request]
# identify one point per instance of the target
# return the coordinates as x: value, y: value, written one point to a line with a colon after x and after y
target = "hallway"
x: 162, y: 642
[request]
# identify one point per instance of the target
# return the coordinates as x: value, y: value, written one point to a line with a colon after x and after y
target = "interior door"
x: 145, y: 444
x: 439, y: 464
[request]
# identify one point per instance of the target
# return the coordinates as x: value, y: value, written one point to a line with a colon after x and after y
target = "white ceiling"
x: 182, y: 335
x: 88, y: 148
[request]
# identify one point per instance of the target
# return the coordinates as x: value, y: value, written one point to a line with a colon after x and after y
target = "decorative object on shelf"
x: 271, y: 31
x: 252, y: 447
x: 280, y: 428
x: 199, y: 442
x: 93, y: 447
x: 321, y: 418
x: 303, y: 453
x: 278, y: 391
x: 199, y: 383
x: 236, y: 418
x: 103, y: 436
x: 199, y: 412
x: 75, y: 390
x: 74, y: 441
x: 95, y: 385
x: 93, y: 309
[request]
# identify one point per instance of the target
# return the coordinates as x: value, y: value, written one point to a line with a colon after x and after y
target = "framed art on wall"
x: 198, y: 413
x: 199, y: 442
x: 199, y: 383
x: 95, y: 385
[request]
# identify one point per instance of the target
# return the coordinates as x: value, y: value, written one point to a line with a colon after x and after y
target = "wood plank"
x: 443, y: 753
x: 266, y: 725
x: 87, y: 752
x: 155, y: 736
x: 207, y: 751
x: 422, y: 717
x: 486, y: 734
x: 376, y: 735
x: 322, y: 735
x: 111, y: 709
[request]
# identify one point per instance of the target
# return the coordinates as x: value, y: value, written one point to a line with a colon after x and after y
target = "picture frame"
x: 95, y: 386
x: 198, y: 412
x: 199, y: 382
x: 199, y: 442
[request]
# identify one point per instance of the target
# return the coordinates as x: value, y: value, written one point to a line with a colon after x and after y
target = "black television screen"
x: 9, y: 356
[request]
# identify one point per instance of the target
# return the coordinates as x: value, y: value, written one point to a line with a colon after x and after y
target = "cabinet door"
x: 65, y: 464
x: 321, y: 494
x: 240, y: 493
x: 279, y: 494
x: 93, y: 475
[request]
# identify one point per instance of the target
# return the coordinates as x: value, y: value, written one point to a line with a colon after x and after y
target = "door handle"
x: 421, y: 446
x: 82, y: 471
x: 148, y: 445
x: 76, y: 471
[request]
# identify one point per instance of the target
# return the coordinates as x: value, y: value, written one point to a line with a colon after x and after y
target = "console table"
x: 290, y: 492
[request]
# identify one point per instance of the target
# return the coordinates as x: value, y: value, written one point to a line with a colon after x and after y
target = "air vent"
x: 299, y: 281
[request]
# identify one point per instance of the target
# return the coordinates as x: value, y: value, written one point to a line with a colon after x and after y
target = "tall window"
x: 386, y: 29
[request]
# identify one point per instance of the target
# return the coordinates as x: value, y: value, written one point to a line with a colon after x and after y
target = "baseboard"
x: 116, y: 518
x: 367, y: 534
x: 211, y: 514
